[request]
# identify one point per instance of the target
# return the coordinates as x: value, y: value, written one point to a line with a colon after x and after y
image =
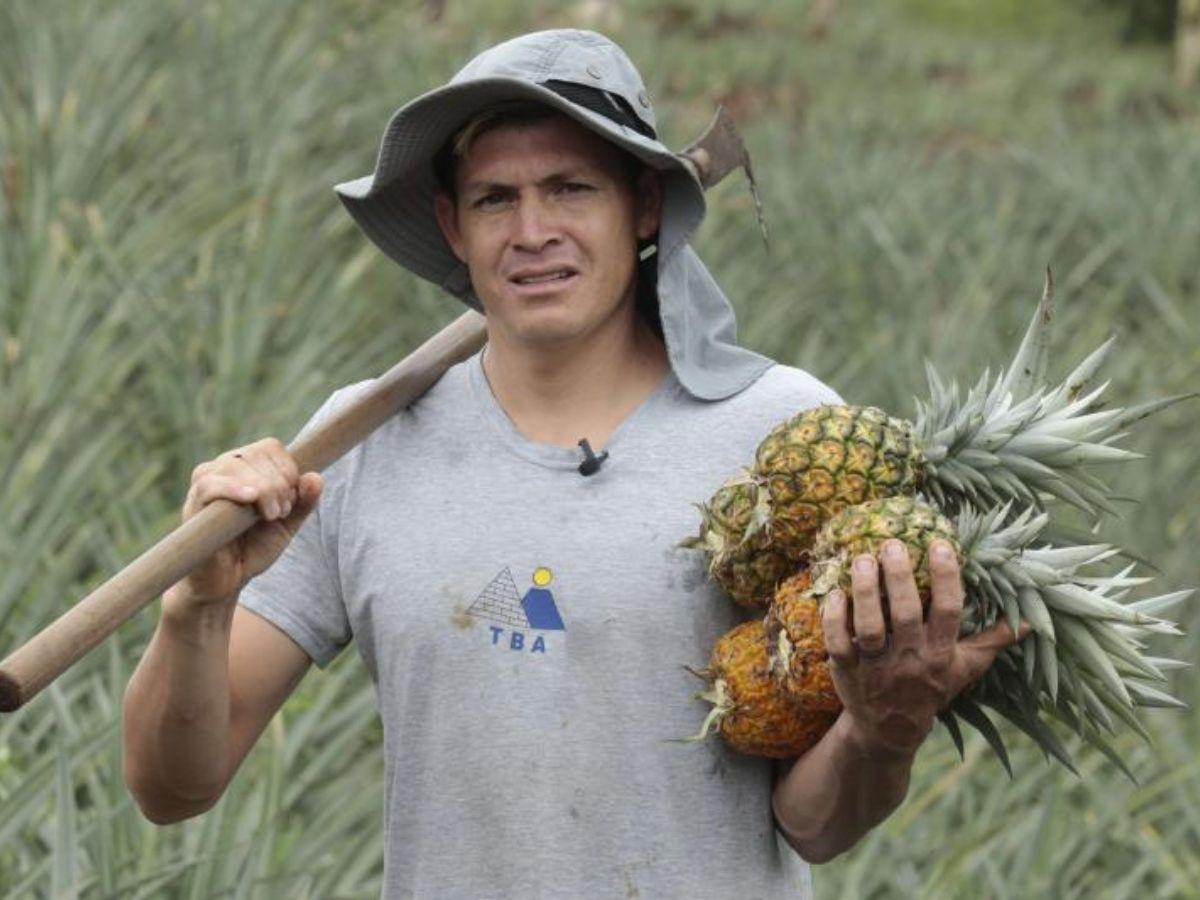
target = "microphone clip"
x: 591, y: 462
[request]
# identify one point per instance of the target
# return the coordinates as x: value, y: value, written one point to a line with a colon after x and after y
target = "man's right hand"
x: 265, y: 475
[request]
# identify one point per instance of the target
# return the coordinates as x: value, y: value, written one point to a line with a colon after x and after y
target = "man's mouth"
x: 542, y: 277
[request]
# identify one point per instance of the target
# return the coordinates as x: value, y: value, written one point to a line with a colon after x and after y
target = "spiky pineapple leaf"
x: 947, y: 718
x: 974, y: 715
x: 1028, y: 367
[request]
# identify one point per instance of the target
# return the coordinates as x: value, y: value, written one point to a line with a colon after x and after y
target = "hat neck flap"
x: 701, y: 332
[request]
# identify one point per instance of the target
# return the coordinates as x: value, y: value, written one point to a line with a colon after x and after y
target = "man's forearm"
x: 838, y: 791
x: 176, y: 713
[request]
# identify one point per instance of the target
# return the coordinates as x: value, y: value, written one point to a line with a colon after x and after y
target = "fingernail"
x: 864, y: 564
x: 942, y: 551
x: 287, y: 509
x: 893, y: 549
x: 835, y: 596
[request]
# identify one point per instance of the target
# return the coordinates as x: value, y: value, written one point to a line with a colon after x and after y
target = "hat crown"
x: 565, y: 54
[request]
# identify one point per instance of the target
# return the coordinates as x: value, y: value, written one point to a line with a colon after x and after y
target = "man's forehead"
x: 556, y: 142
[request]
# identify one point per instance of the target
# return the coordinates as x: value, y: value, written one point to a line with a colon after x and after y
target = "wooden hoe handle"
x: 59, y: 645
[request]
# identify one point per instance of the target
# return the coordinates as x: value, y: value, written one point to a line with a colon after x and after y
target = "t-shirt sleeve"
x: 301, y: 593
x: 828, y: 395
x: 801, y: 390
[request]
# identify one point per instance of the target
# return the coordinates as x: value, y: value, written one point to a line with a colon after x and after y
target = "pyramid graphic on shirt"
x: 500, y: 602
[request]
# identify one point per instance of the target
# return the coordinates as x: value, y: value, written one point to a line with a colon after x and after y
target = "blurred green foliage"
x: 1135, y: 20
x: 177, y: 277
x: 1152, y: 20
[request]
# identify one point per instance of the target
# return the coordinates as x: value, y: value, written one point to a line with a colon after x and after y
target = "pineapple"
x: 796, y: 643
x: 825, y: 459
x: 741, y: 558
x: 751, y: 709
x: 1008, y: 439
x: 1082, y: 665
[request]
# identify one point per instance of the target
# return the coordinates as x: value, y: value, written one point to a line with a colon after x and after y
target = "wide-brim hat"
x: 588, y: 78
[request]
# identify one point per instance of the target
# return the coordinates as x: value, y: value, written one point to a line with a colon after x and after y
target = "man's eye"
x: 574, y: 187
x: 491, y: 200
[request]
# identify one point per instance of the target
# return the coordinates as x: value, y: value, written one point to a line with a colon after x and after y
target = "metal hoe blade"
x: 717, y: 152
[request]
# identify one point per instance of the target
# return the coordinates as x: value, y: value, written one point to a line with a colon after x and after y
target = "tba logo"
x: 514, y: 616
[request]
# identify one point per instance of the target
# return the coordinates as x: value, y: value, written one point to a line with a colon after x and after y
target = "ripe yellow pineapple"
x: 773, y: 693
x: 751, y: 709
x: 796, y: 644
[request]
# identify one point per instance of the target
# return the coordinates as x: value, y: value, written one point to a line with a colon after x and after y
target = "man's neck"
x: 558, y: 395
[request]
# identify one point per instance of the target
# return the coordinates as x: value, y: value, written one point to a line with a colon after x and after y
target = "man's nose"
x: 535, y: 224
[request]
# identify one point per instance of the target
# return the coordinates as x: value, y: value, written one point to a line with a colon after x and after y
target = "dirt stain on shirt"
x: 460, y: 618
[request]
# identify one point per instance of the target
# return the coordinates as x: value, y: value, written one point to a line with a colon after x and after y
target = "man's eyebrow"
x: 557, y: 177
x: 486, y: 187
x: 567, y: 174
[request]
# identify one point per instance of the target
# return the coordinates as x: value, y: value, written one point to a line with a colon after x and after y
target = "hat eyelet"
x: 594, y: 71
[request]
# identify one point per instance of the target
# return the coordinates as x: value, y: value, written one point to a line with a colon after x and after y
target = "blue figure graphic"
x: 539, y: 605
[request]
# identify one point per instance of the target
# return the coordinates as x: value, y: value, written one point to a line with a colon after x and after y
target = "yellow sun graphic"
x: 542, y: 576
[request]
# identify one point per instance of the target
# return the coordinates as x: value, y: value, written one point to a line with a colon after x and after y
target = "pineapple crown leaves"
x: 1012, y: 438
x: 1002, y: 563
x: 1084, y: 664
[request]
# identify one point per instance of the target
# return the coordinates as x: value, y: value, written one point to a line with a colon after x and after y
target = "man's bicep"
x: 265, y: 665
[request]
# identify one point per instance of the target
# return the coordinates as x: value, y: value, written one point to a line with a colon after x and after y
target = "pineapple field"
x: 177, y: 277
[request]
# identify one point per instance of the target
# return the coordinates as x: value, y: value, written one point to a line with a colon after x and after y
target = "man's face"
x: 547, y: 224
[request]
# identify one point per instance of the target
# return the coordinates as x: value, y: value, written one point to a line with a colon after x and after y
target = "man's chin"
x: 549, y: 337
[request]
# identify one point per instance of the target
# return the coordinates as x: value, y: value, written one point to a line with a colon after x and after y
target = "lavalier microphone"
x: 591, y: 462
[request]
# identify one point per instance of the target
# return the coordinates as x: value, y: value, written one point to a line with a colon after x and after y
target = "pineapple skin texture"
x: 828, y: 458
x: 765, y: 720
x: 864, y: 528
x: 801, y: 663
x: 803, y: 670
x: 747, y: 570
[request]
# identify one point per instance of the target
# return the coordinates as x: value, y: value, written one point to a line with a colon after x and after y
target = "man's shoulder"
x: 779, y: 393
x: 791, y: 385
x: 415, y: 425
x: 730, y: 429
x: 446, y: 391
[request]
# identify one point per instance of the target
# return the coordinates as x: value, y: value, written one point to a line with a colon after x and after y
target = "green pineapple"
x: 741, y: 557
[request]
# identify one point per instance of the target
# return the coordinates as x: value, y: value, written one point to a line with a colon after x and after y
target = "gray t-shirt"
x: 526, y: 628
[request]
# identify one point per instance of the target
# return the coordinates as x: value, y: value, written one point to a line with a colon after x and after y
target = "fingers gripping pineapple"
x: 780, y: 692
x: 892, y: 698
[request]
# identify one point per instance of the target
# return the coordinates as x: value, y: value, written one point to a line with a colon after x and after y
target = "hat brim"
x: 394, y: 206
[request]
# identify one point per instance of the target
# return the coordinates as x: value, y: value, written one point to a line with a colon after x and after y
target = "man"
x: 521, y: 605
